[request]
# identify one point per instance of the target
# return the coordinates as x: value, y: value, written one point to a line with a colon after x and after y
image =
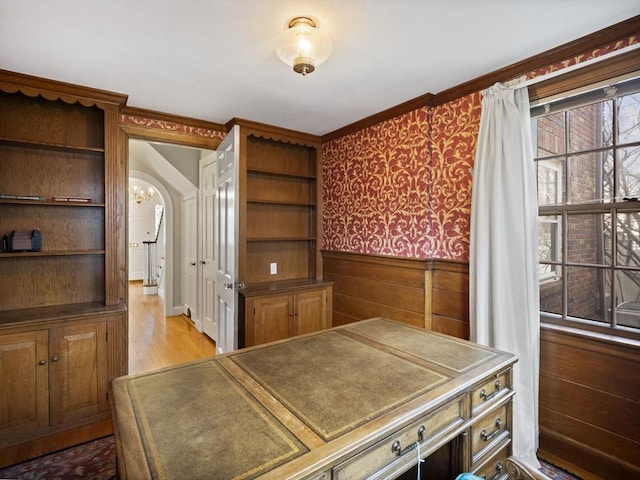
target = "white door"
x: 139, y: 231
x: 208, y: 260
x: 226, y: 241
x: 190, y: 255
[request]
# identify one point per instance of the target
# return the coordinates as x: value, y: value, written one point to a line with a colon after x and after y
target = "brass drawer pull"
x: 498, y: 472
x: 489, y: 436
x: 399, y: 451
x: 483, y: 392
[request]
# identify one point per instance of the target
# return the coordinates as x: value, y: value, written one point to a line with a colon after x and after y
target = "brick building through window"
x: 587, y: 154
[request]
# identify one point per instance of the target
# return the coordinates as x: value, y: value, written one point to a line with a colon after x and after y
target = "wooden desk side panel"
x: 125, y: 430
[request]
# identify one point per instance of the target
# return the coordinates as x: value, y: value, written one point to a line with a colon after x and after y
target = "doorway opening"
x: 171, y: 172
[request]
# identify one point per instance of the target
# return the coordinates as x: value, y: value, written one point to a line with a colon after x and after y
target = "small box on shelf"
x: 22, y: 241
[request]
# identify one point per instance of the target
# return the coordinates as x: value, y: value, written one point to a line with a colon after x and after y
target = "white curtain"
x: 503, y: 265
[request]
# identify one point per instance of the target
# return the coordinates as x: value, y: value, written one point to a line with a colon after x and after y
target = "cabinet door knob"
x: 193, y: 264
x: 42, y: 362
x: 54, y: 359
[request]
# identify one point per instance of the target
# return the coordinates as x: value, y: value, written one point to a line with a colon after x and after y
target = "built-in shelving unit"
x: 49, y: 148
x: 61, y: 305
x: 281, y: 206
x: 279, y: 225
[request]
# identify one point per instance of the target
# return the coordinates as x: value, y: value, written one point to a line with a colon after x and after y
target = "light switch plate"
x: 274, y: 268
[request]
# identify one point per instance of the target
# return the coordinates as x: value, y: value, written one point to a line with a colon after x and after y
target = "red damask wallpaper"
x: 452, y: 139
x: 375, y: 189
x: 403, y: 187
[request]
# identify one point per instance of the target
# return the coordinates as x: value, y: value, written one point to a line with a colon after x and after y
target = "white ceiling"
x: 215, y: 59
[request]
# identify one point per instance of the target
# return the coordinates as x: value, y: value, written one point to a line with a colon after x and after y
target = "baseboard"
x: 37, y: 447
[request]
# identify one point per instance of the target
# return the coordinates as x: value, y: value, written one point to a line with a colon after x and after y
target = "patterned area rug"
x: 94, y: 460
x: 556, y: 473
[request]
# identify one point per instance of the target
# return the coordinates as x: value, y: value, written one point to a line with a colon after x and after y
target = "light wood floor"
x: 156, y: 341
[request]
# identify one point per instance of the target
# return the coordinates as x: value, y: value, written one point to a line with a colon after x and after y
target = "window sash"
x: 556, y: 269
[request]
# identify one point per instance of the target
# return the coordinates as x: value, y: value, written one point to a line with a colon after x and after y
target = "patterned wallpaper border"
x: 171, y: 127
x: 598, y: 52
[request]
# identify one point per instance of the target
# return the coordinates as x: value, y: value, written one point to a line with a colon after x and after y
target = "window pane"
x: 551, y: 296
x: 589, y: 176
x: 587, y: 156
x: 629, y: 172
x: 585, y: 239
x: 628, y: 239
x: 549, y: 238
x: 550, y: 135
x: 627, y: 295
x: 629, y: 118
x: 587, y: 291
x: 587, y: 127
x: 550, y: 182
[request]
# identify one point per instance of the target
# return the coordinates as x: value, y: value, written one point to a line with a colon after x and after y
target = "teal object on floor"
x: 468, y: 476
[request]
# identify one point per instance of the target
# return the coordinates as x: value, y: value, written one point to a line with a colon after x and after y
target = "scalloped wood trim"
x: 270, y: 132
x: 12, y: 82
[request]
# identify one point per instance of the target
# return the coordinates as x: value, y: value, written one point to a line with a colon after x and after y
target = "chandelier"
x: 303, y: 46
x: 139, y: 194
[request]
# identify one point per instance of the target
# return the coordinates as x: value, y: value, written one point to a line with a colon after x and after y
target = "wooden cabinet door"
x: 310, y: 312
x: 24, y: 383
x: 269, y: 319
x: 78, y: 371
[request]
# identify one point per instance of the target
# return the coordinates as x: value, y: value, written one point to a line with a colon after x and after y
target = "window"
x: 587, y: 154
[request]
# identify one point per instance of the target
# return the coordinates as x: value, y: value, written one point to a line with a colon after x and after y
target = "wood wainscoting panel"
x: 432, y: 294
x: 366, y: 286
x: 590, y: 401
x: 450, y: 298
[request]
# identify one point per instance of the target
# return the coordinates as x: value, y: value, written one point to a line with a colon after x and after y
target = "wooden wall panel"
x: 450, y: 298
x: 427, y: 293
x: 590, y: 402
x: 450, y: 326
x: 367, y: 286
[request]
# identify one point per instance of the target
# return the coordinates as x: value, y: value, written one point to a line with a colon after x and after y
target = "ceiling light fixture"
x: 303, y: 46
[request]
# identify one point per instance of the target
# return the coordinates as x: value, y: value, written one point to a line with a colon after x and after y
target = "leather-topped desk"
x: 346, y: 403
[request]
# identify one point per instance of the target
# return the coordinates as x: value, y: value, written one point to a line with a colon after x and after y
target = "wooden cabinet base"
x: 51, y: 443
x: 77, y: 359
x: 278, y: 310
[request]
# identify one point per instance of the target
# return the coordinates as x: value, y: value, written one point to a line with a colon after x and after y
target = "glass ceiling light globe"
x: 303, y: 46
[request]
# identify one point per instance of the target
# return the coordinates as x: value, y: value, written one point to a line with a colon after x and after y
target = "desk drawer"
x: 489, y: 430
x: 491, y: 390
x: 496, y: 467
x: 400, y: 447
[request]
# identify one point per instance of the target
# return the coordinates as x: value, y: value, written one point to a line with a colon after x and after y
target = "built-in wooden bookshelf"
x: 60, y: 304
x: 279, y: 223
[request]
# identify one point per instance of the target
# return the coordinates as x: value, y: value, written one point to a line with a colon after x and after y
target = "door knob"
x: 228, y: 286
x: 193, y: 264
